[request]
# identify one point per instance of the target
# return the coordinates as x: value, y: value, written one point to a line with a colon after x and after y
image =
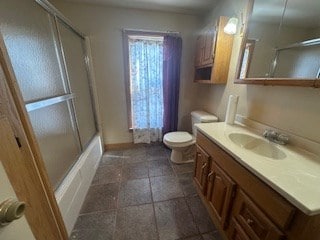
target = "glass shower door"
x: 75, y: 60
x: 32, y: 42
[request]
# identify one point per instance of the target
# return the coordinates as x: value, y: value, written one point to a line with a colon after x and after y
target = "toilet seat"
x: 183, y: 144
x: 178, y: 139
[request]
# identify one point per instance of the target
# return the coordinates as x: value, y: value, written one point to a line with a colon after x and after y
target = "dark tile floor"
x: 138, y: 194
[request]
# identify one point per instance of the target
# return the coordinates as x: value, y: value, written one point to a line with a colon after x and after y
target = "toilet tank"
x: 201, y: 117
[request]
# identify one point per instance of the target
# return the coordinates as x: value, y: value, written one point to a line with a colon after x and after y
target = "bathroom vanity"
x: 254, y: 189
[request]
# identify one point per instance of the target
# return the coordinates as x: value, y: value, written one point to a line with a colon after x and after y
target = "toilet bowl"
x: 183, y: 143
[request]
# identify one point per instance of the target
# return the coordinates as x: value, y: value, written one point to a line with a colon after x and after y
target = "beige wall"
x: 268, y: 39
x: 315, y: 33
x: 103, y: 25
x: 293, y: 109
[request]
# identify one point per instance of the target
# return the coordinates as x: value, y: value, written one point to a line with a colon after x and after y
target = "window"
x: 144, y: 72
x: 247, y: 57
x: 152, y: 73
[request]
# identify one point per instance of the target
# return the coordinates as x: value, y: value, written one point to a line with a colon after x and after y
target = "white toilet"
x: 183, y: 143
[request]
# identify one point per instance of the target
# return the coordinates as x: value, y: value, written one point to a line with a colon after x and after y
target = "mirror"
x: 281, y: 42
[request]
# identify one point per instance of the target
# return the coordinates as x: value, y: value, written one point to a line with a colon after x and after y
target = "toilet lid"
x: 178, y: 137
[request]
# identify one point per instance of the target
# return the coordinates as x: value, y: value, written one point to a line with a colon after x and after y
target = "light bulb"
x: 231, y: 27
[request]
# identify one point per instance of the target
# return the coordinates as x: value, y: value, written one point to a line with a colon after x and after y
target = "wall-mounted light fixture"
x: 231, y: 27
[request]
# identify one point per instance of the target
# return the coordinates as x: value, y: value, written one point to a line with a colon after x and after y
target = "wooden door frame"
x: 27, y: 174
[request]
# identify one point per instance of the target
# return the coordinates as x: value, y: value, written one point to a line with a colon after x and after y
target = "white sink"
x: 257, y: 145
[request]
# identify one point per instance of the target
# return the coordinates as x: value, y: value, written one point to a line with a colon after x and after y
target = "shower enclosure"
x: 50, y: 62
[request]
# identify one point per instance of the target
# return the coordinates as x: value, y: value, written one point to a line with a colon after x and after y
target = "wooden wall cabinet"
x: 199, y: 51
x: 242, y: 206
x: 205, y: 48
x: 213, y: 53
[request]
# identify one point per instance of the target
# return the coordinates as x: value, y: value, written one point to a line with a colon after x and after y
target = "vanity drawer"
x: 236, y: 232
x: 253, y: 221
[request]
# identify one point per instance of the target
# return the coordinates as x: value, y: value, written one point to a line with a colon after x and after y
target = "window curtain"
x: 171, y: 81
x: 146, y: 73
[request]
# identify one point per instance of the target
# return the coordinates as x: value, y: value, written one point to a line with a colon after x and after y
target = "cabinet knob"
x: 210, y: 176
x: 249, y: 221
x: 11, y: 210
x: 204, y: 165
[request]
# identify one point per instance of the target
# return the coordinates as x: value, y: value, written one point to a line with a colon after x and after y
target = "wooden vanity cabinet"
x: 220, y: 192
x: 215, y: 186
x: 201, y: 169
x: 241, y: 205
x: 252, y: 220
x: 236, y: 232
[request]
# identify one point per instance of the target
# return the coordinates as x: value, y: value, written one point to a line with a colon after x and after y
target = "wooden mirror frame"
x: 299, y: 82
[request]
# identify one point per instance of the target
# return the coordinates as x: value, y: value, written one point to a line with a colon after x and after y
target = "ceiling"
x: 178, y: 6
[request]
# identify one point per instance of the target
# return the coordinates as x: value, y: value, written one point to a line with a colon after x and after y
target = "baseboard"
x: 118, y: 146
x: 72, y: 191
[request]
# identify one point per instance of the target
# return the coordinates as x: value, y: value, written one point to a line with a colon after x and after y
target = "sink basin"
x: 257, y: 145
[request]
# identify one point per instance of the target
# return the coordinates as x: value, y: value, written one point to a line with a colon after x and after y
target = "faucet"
x: 276, y: 137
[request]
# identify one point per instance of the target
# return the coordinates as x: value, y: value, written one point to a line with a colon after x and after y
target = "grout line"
x: 118, y: 204
x: 100, y: 211
x: 193, y: 217
x: 115, y: 224
x: 118, y: 201
x: 152, y: 198
x: 99, y: 184
x: 153, y: 208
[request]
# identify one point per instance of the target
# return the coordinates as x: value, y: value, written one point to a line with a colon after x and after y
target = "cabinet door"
x: 236, y: 232
x: 220, y: 192
x: 201, y: 169
x: 209, y: 47
x: 255, y: 223
x: 199, y: 51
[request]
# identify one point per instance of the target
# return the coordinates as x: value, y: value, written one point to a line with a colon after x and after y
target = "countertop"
x: 296, y: 177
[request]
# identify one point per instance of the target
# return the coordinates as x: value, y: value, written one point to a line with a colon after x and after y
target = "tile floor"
x: 138, y: 194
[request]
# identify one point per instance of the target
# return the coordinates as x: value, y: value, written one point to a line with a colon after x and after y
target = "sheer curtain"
x: 146, y: 77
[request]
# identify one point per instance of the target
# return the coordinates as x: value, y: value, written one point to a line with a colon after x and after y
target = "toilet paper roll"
x: 232, y: 109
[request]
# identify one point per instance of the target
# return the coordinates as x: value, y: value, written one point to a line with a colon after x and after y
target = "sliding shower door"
x: 31, y: 44
x: 74, y: 54
x: 55, y: 134
x: 51, y: 72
